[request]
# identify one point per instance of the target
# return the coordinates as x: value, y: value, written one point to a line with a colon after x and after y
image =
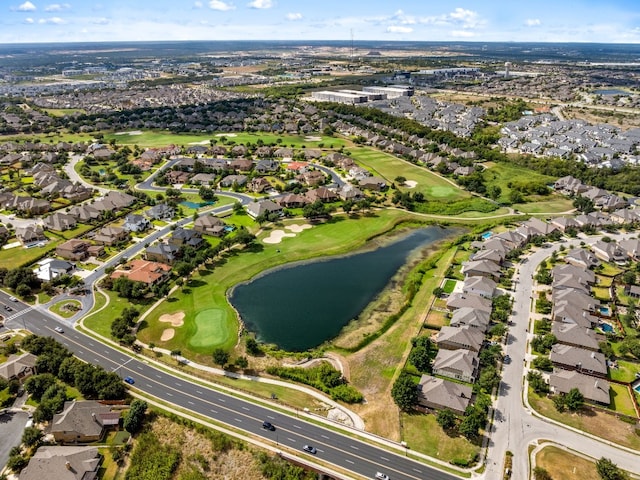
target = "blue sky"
x: 607, y: 21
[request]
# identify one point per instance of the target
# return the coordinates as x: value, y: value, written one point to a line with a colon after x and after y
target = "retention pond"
x: 305, y: 304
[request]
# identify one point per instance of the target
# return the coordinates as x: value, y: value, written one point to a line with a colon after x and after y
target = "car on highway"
x: 129, y: 380
x: 382, y: 476
x: 13, y: 299
x: 268, y: 426
x: 8, y: 308
x: 59, y: 329
x: 310, y: 449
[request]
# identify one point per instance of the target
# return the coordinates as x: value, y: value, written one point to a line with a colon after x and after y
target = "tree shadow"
x: 172, y: 299
x: 196, y: 283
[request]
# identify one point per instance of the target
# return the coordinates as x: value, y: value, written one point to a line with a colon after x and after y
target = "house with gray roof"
x: 472, y: 317
x: 82, y: 422
x: 30, y: 234
x: 162, y: 252
x: 18, y: 367
x: 136, y: 223
x: 582, y: 258
x: 161, y: 211
x: 483, y: 286
x: 63, y: 463
x: 594, y: 390
x: 609, y: 252
x: 59, y: 222
x: 256, y: 209
x: 209, y: 225
x: 460, y: 364
x: 564, y: 223
x: 230, y: 180
x: 437, y: 394
x: 458, y: 300
x: 465, y: 337
x: 568, y: 312
x: 631, y: 247
x: 576, y: 336
x: 584, y: 361
x: 485, y: 268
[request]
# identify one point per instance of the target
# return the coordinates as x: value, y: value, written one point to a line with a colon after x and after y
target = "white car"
x: 382, y: 476
x: 59, y: 329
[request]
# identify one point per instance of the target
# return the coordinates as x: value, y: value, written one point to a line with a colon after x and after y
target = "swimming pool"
x: 605, y: 311
x: 606, y: 328
x: 637, y: 388
x: 486, y: 235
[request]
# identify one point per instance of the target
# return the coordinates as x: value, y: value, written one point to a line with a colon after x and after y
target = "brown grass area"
x: 437, y: 319
x: 197, y: 453
x: 628, y: 120
x: 566, y: 466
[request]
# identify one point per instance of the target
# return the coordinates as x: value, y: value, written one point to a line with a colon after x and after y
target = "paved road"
x: 291, y: 432
x: 11, y: 428
x: 515, y: 427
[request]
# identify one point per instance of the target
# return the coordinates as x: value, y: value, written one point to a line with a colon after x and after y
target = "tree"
x: 583, y: 204
x: 446, y: 419
x: 220, y: 356
x: 253, y: 348
x: 36, y: 385
x: 540, y: 473
x: 609, y: 470
x: 574, y: 399
x: 135, y: 416
x: 536, y: 381
x: 242, y: 362
x: 471, y: 424
x: 404, y: 392
x: 494, y: 192
x: 31, y: 436
x: 420, y: 358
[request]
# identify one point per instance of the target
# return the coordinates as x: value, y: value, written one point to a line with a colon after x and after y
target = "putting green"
x: 212, y: 328
x: 442, y: 191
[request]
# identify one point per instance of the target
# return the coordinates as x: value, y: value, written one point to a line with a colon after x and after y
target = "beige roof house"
x: 594, y: 390
x: 459, y: 364
x: 465, y: 337
x: 63, y: 463
x: 460, y: 300
x: 576, y: 336
x: 18, y: 366
x: 470, y: 316
x: 437, y: 393
x: 82, y: 422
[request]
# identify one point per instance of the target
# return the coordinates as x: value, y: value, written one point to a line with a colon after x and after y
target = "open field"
x: 566, y: 466
x: 550, y: 204
x: 163, y: 138
x: 208, y: 287
x: 621, y: 400
x: 18, y: 256
x: 596, y: 422
x: 505, y: 176
x: 626, y: 371
x: 389, y: 167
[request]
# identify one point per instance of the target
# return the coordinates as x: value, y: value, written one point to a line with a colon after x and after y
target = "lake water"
x: 610, y: 91
x: 301, y: 306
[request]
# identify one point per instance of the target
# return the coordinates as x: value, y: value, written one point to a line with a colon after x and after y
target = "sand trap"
x: 309, y: 138
x: 167, y: 334
x: 410, y: 183
x: 202, y: 142
x: 135, y: 132
x: 175, y: 319
x: 295, y: 228
x: 228, y: 135
x: 276, y: 236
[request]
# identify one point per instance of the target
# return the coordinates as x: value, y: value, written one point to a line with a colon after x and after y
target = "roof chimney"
x: 593, y: 354
x: 67, y: 465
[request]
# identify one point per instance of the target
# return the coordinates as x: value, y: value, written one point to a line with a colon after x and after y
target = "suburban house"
x: 258, y: 184
x: 495, y: 255
x: 293, y: 200
x: 437, y: 394
x: 73, y: 249
x: 144, y: 271
x: 594, y: 390
x: 266, y: 166
x: 472, y: 317
x: 256, y: 209
x: 111, y: 235
x: 568, y: 312
x: 230, y: 180
x: 564, y: 223
x: 579, y: 359
x: 460, y: 364
x: 161, y: 211
x: 63, y: 463
x: 376, y: 184
x: 59, y: 222
x: 209, y: 225
x: 85, y: 213
x: 483, y: 286
x: 609, y: 252
x: 185, y: 237
x: 321, y: 193
x: 136, y: 223
x: 162, y: 252
x: 582, y: 258
x: 30, y: 234
x: 583, y: 277
x: 203, y: 179
x: 465, y: 337
x: 460, y: 300
x: 350, y: 192
x: 50, y: 268
x: 631, y: 247
x: 485, y: 268
x: 18, y: 367
x: 241, y: 165
x: 83, y: 422
x: 312, y: 178
x: 177, y: 177
x: 576, y: 336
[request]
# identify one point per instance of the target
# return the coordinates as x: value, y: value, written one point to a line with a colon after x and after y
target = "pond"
x: 195, y: 205
x: 305, y: 304
x: 610, y: 91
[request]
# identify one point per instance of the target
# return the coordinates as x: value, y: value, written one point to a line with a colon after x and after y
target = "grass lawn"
x: 503, y: 175
x: 423, y: 434
x: 622, y: 298
x: 449, y: 285
x: 388, y: 166
x: 597, y: 423
x: 609, y: 270
x: 604, y: 282
x: 621, y: 400
x: 63, y: 312
x: 437, y: 319
x: 601, y: 293
x: 108, y: 469
x: 75, y: 232
x: 566, y: 466
x: 548, y: 204
x: 626, y: 371
x: 100, y: 322
x: 16, y: 257
x: 158, y: 138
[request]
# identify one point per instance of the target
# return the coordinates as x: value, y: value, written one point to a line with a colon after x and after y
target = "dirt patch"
x: 276, y: 236
x: 295, y: 228
x: 228, y: 135
x: 175, y: 319
x: 410, y: 183
x: 167, y: 334
x: 309, y: 138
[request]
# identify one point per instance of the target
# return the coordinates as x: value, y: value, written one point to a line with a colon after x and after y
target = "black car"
x: 268, y: 426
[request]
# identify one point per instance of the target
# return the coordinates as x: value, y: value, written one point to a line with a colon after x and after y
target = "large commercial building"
x: 392, y: 91
x: 339, y: 97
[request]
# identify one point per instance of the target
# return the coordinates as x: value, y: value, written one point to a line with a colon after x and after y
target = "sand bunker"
x: 309, y: 138
x: 410, y: 183
x: 135, y: 132
x: 202, y: 142
x: 276, y: 236
x: 167, y: 334
x: 175, y: 319
x: 295, y: 228
x: 228, y: 135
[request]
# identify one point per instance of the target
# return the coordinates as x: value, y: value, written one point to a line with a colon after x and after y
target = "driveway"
x: 11, y: 427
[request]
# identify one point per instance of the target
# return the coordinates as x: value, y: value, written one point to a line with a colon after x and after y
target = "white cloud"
x: 197, y: 5
x: 532, y: 22
x: 27, y: 7
x: 57, y: 7
x: 221, y: 5
x: 294, y: 16
x: 28, y: 20
x: 100, y: 21
x: 462, y: 33
x: 460, y: 17
x: 261, y: 4
x: 399, y: 29
x: 52, y: 20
